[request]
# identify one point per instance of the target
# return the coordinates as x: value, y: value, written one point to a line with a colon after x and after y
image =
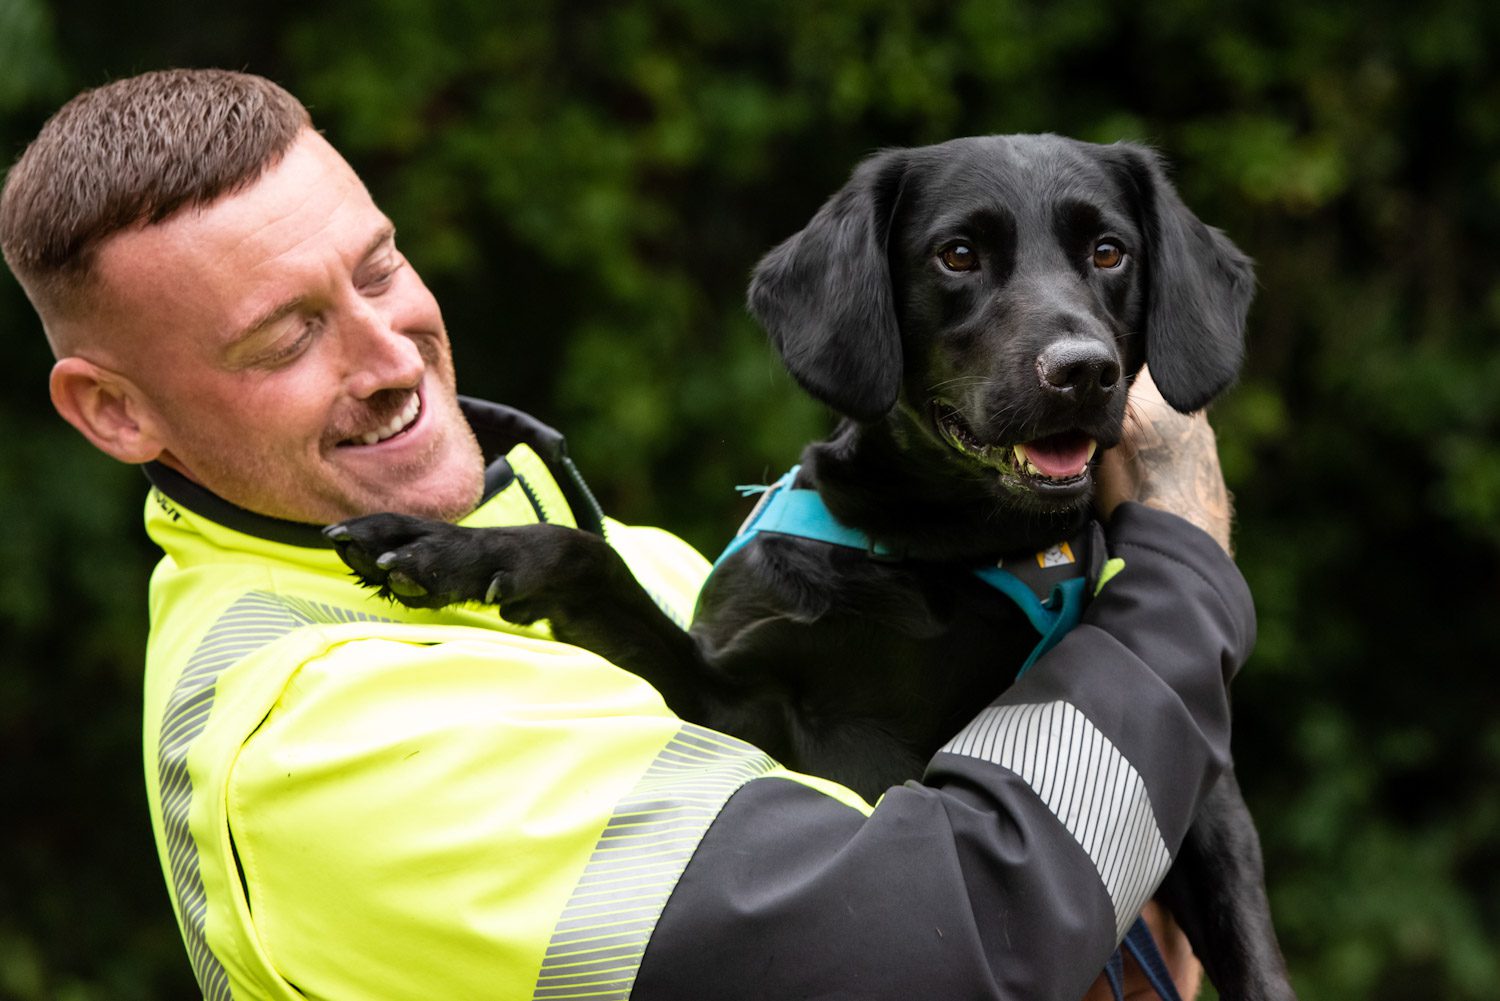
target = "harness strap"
x: 1052, y: 619
x: 788, y: 510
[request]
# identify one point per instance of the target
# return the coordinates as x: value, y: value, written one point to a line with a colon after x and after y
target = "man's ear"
x: 824, y: 296
x: 107, y: 408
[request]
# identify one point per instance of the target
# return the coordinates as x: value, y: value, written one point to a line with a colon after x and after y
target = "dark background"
x: 586, y: 186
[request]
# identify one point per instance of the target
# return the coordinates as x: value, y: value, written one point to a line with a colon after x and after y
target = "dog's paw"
x: 419, y: 562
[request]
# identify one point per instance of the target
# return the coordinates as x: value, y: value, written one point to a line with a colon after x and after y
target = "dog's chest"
x: 918, y: 647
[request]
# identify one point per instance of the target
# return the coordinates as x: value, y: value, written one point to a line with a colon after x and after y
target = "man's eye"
x: 1108, y: 255
x: 293, y: 345
x: 380, y: 276
x: 959, y: 257
x: 380, y: 280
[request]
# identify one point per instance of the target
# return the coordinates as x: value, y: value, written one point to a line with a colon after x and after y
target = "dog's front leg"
x: 1216, y: 891
x: 573, y: 579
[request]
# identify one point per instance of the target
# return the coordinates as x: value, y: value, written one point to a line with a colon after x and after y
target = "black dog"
x: 975, y: 310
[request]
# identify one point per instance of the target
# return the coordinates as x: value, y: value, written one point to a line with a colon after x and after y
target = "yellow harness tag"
x: 1056, y: 556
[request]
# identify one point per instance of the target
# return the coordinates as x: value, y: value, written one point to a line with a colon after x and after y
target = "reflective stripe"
x: 255, y: 620
x: 1087, y: 784
x: 597, y: 944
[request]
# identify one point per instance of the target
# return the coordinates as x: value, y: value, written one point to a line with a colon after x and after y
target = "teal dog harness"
x: 1050, y: 587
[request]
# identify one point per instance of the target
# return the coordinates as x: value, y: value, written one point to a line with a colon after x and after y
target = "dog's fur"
x: 951, y: 302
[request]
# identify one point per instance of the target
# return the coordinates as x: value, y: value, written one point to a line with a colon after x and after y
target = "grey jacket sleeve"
x: 1015, y: 866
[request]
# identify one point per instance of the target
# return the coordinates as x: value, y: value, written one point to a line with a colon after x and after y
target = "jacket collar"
x: 497, y: 427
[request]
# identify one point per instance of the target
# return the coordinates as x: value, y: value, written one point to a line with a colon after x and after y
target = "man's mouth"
x: 398, y: 423
x: 1055, y: 463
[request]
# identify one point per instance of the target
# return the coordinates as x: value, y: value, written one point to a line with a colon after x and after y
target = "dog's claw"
x: 386, y: 560
x: 337, y: 533
x: 403, y: 586
x: 493, y: 591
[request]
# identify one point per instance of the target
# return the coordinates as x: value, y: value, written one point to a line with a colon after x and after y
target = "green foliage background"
x: 586, y: 186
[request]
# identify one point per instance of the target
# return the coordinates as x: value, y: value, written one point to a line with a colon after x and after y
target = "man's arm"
x: 502, y: 814
x: 1168, y: 461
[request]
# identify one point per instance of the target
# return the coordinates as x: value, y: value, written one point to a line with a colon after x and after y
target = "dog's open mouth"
x: 1054, y: 463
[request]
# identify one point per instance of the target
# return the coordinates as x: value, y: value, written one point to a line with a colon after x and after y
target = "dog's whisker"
x: 957, y: 382
x: 1001, y: 416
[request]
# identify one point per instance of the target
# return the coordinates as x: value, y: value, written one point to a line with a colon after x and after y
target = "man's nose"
x: 377, y: 356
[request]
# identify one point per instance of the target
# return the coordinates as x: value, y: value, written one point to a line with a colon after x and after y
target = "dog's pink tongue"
x: 1060, y: 456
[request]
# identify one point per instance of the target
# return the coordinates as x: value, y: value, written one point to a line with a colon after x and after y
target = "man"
x: 354, y: 800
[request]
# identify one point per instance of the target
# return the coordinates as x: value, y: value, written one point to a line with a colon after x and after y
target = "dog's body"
x: 975, y: 310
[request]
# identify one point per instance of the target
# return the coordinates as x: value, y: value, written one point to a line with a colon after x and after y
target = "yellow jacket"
x: 316, y: 756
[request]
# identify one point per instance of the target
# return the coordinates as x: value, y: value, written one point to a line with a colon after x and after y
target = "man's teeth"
x: 396, y: 424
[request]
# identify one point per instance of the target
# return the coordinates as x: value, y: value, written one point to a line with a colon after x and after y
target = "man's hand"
x: 1186, y: 973
x: 1168, y: 461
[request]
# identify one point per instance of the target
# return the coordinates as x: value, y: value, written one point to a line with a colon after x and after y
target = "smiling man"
x: 279, y: 348
x: 358, y: 800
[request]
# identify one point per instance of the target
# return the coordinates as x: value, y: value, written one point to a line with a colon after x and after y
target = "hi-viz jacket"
x: 355, y: 800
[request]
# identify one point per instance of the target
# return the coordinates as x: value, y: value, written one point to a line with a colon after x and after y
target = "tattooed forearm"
x: 1168, y: 461
x: 1179, y: 469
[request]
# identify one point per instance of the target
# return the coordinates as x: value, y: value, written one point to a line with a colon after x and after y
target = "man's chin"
x: 450, y: 499
x: 445, y: 490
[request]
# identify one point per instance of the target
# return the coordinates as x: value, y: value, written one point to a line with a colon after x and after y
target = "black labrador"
x: 975, y: 311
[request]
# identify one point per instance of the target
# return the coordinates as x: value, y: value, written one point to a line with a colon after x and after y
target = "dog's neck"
x: 887, y: 481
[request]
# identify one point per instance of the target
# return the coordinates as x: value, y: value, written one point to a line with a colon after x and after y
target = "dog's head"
x: 994, y: 295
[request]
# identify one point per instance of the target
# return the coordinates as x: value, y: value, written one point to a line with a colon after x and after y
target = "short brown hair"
x: 134, y: 152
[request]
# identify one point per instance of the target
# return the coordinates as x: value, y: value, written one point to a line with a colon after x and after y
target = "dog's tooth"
x: 1023, y: 459
x: 1093, y: 447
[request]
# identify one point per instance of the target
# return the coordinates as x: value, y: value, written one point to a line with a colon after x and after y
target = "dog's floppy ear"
x: 824, y: 296
x: 1199, y: 287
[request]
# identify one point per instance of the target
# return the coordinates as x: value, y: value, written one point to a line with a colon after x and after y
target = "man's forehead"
x: 309, y: 209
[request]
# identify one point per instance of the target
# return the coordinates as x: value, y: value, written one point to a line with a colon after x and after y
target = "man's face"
x: 292, y: 360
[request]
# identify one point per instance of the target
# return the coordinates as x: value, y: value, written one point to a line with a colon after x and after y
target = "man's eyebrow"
x: 282, y: 310
x: 387, y: 234
x: 270, y: 316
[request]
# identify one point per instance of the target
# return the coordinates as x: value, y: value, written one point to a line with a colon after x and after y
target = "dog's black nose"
x: 1086, y: 371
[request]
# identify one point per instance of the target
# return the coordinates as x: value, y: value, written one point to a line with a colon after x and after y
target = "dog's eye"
x: 959, y: 257
x: 1108, y: 255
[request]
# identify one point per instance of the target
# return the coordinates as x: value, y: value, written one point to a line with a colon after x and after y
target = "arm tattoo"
x: 1183, y: 475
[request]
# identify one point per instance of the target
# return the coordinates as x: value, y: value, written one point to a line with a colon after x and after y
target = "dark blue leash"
x: 1139, y: 943
x: 788, y: 510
